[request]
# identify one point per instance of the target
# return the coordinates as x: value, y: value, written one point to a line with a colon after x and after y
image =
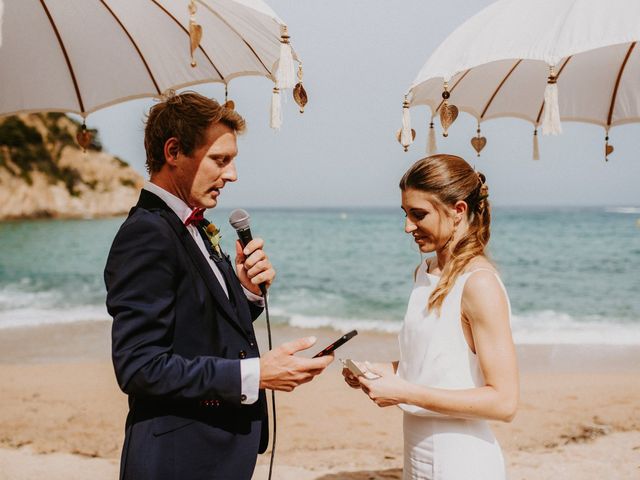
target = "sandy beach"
x: 63, y: 415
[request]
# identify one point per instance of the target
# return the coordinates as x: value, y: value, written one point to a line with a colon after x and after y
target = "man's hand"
x: 253, y: 266
x: 281, y: 370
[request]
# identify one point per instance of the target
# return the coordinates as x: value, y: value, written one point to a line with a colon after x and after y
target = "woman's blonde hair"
x: 450, y: 179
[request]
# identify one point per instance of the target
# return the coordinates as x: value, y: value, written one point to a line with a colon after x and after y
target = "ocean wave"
x: 344, y: 325
x: 33, y: 317
x: 545, y: 327
x: 633, y: 210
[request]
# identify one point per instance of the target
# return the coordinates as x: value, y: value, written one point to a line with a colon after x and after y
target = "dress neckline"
x: 426, y: 270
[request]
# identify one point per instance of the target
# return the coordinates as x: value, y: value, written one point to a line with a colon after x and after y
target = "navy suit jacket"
x: 177, y: 341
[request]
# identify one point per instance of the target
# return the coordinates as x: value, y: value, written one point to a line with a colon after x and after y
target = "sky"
x: 359, y: 58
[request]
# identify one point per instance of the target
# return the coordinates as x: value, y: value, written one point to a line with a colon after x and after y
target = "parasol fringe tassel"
x: 432, y: 147
x: 406, y: 136
x: 1, y: 11
x: 286, y: 74
x: 276, y: 109
x: 536, y: 147
x: 551, y: 119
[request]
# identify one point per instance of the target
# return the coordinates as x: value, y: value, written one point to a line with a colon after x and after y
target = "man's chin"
x: 208, y: 200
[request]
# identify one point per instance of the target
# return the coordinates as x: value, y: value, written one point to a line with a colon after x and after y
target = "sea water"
x: 573, y: 274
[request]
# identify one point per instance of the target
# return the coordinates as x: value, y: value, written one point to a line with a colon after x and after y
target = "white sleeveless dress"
x: 435, y: 353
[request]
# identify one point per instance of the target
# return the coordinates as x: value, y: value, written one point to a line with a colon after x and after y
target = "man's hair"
x: 186, y: 116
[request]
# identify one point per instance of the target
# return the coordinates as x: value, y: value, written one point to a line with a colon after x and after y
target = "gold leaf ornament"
x: 448, y: 113
x: 300, y: 96
x: 195, y: 31
x: 478, y: 142
x: 84, y: 137
x: 195, y: 35
x: 608, y: 149
x: 299, y: 93
x: 399, y: 138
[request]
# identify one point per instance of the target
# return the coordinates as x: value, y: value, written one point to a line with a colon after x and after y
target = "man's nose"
x: 230, y: 173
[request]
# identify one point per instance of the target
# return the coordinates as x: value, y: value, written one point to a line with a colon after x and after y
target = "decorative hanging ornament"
x: 276, y: 109
x: 536, y: 147
x: 406, y: 135
x: 285, y: 75
x: 299, y: 93
x: 399, y: 138
x: 478, y: 142
x: 84, y: 137
x: 195, y: 31
x: 608, y: 149
x: 448, y: 113
x: 229, y: 104
x: 551, y: 117
x: 432, y: 147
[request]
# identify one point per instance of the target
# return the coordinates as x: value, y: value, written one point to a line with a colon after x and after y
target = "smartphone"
x: 357, y: 371
x: 338, y: 343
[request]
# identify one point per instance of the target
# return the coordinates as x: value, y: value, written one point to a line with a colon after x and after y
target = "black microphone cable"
x: 273, y: 392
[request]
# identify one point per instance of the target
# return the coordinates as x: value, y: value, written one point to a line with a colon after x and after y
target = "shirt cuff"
x: 257, y: 300
x: 250, y: 377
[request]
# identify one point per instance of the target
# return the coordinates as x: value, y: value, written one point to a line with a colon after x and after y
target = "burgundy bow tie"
x: 196, y: 217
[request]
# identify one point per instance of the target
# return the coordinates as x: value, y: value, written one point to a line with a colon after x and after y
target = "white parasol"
x: 542, y: 61
x: 79, y: 56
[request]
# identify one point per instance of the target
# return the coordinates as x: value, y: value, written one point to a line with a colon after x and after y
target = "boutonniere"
x: 213, y: 234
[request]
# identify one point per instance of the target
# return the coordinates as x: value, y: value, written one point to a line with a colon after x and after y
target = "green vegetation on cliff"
x: 24, y: 149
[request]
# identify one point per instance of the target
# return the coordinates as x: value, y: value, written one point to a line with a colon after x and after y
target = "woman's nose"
x: 409, y: 226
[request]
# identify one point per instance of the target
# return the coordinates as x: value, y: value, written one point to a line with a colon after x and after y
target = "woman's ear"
x: 171, y: 150
x: 461, y: 208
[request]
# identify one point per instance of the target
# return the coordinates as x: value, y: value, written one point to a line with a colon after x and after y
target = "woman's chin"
x: 426, y: 247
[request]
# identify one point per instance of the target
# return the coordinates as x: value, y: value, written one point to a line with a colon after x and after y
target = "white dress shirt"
x: 249, y: 367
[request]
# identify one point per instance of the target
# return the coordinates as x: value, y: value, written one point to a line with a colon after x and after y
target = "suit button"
x: 242, y: 354
x: 243, y: 397
x: 252, y: 344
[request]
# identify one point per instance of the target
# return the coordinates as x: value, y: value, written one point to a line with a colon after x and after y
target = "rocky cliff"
x: 44, y: 173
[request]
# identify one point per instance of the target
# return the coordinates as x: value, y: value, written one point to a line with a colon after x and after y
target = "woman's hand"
x: 386, y: 390
x: 389, y: 368
x: 350, y: 378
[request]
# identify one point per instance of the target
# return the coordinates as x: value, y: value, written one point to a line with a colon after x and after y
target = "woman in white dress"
x: 457, y: 366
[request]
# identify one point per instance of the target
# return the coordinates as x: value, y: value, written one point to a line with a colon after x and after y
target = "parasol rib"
x: 615, y: 89
x: 66, y: 56
x: 452, y: 89
x: 238, y: 34
x: 557, y: 76
x: 135, y: 45
x: 187, y: 32
x: 498, y: 88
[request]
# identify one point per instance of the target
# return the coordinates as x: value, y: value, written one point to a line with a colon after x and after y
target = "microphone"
x: 239, y: 220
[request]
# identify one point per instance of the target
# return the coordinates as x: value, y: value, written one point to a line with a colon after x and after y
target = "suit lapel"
x: 149, y: 201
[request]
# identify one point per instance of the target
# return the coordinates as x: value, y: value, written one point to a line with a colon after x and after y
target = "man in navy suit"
x: 183, y: 344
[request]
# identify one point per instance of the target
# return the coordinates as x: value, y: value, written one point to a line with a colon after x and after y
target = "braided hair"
x: 449, y: 179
